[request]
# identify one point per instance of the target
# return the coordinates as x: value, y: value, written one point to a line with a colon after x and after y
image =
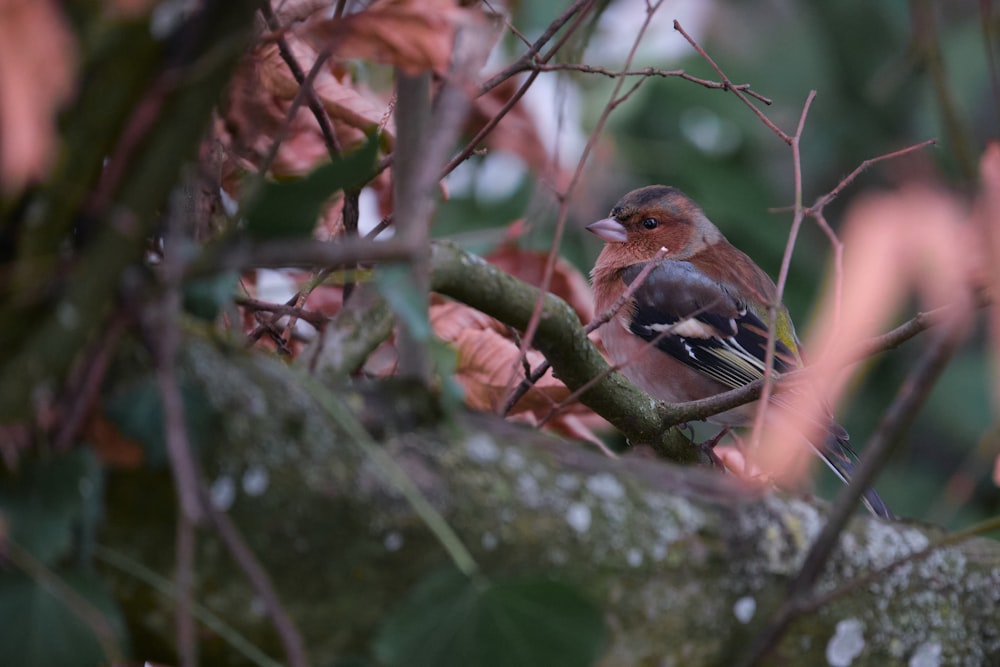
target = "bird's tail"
x: 841, y: 459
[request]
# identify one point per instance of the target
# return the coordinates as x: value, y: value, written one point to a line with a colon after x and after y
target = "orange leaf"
x: 37, y: 59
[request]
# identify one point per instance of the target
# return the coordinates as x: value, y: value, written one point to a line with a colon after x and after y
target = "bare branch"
x: 550, y: 261
x: 730, y: 86
x: 647, y: 72
x: 283, y: 310
x: 305, y: 84
x: 580, y: 7
x: 786, y: 262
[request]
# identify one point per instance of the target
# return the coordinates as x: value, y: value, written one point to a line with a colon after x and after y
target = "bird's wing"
x: 699, y: 322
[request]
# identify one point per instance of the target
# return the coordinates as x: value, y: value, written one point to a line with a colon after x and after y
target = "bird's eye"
x: 650, y: 223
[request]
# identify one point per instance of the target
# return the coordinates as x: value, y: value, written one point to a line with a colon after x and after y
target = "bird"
x: 697, y: 324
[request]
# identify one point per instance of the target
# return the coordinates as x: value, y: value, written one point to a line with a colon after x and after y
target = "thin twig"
x: 580, y: 6
x: 260, y: 581
x: 351, y: 214
x: 602, y: 318
x: 80, y: 606
x: 646, y: 72
x: 382, y: 225
x: 167, y: 589
x: 508, y: 24
x: 550, y: 260
x: 673, y: 419
x: 822, y: 201
x: 282, y: 310
x: 187, y: 644
x: 786, y: 262
x: 729, y: 85
x: 817, y: 212
x: 92, y: 378
x: 817, y: 602
x: 473, y: 144
x: 395, y: 475
x: 491, y: 124
x: 193, y: 501
x: 164, y: 339
x: 315, y: 105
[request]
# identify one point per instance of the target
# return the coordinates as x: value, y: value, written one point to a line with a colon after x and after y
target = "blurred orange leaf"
x: 37, y: 63
x: 913, y: 240
x: 517, y: 132
x: 112, y: 447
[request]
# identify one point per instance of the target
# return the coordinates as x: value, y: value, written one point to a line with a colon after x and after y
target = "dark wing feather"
x: 699, y: 322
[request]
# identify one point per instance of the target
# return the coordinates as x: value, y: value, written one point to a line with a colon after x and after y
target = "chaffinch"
x: 704, y: 304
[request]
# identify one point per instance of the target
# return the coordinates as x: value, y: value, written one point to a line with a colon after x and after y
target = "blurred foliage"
x: 452, y: 620
x: 284, y: 209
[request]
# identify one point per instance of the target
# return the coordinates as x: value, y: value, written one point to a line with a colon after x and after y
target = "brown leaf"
x: 414, y: 35
x: 112, y: 447
x: 567, y: 282
x: 516, y: 132
x: 37, y: 61
x: 487, y: 356
x: 256, y: 109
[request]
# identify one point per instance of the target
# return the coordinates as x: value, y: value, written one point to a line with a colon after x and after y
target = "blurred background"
x: 887, y: 75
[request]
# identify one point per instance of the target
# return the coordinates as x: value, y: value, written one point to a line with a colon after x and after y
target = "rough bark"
x: 686, y: 564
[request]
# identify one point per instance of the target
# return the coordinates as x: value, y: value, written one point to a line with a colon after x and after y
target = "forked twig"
x: 729, y: 85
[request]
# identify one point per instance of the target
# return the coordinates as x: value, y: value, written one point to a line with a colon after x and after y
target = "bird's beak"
x: 609, y: 230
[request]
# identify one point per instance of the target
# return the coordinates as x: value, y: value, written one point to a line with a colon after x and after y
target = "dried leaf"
x: 112, y: 447
x: 567, y: 282
x: 516, y: 132
x: 414, y: 35
x: 37, y: 62
x: 487, y: 357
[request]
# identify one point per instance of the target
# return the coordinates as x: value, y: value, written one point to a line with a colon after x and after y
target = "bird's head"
x: 651, y: 218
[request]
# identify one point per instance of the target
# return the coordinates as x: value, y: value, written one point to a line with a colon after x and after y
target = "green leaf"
x: 206, y: 297
x: 445, y: 360
x: 451, y: 620
x: 44, y: 500
x: 137, y: 410
x: 291, y: 208
x: 38, y: 629
x: 395, y: 283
